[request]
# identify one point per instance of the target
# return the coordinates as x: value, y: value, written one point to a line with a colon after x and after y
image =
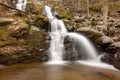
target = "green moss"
x: 36, y: 39
x: 95, y: 9
x: 38, y: 10
x: 93, y: 23
x: 5, y: 39
x: 98, y: 40
x: 64, y: 13
x: 78, y: 25
x: 19, y: 30
x: 114, y: 7
x: 40, y: 21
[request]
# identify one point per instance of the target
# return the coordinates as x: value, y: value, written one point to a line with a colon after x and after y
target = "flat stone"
x: 5, y: 21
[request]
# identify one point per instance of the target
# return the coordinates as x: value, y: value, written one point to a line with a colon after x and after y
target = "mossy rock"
x: 19, y: 30
x: 35, y: 49
x: 40, y: 21
x: 5, y: 39
x: 104, y: 41
x: 34, y: 8
x: 90, y: 33
x: 64, y: 13
x: 36, y: 39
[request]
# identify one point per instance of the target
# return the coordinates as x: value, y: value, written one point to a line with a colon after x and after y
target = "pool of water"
x: 66, y: 71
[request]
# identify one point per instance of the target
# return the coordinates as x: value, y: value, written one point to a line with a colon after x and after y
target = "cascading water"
x: 86, y: 47
x: 57, y: 37
x: 58, y: 31
x: 21, y: 5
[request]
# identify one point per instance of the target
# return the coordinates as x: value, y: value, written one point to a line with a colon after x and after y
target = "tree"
x: 87, y: 5
x: 104, y: 11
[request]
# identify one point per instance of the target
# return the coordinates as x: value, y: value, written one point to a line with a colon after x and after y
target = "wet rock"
x: 72, y: 29
x: 70, y: 51
x: 99, y: 39
x: 104, y: 41
x: 114, y: 48
x: 108, y: 58
x: 90, y: 33
x: 117, y: 64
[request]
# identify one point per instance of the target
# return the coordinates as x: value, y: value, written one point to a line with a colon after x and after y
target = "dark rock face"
x: 117, y: 64
x: 70, y: 51
x: 104, y: 41
x: 115, y: 49
x: 108, y: 58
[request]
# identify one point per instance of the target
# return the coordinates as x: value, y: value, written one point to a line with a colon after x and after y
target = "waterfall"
x: 84, y: 47
x: 57, y: 36
x: 21, y: 5
x: 58, y: 32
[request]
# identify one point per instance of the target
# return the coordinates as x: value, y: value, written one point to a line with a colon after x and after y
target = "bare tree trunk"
x: 87, y: 5
x: 105, y: 11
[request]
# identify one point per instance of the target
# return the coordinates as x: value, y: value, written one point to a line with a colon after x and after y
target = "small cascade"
x: 84, y: 45
x: 58, y: 32
x: 21, y: 5
x: 57, y: 36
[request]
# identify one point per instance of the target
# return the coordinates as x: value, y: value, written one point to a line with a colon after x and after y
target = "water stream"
x: 21, y: 5
x: 59, y: 31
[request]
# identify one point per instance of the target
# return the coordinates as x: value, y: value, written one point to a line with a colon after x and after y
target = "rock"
x: 19, y: 31
x: 114, y: 47
x: 5, y: 38
x: 108, y: 58
x: 40, y: 21
x: 70, y: 51
x: 90, y: 33
x: 117, y: 64
x: 98, y: 38
x: 5, y: 21
x: 104, y: 41
x: 64, y: 13
x: 101, y: 28
x: 7, y: 51
x: 72, y: 29
x: 34, y: 7
x: 31, y: 48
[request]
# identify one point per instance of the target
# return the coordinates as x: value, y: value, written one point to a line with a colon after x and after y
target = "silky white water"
x: 21, y: 5
x: 57, y: 38
x: 58, y: 32
x: 85, y: 45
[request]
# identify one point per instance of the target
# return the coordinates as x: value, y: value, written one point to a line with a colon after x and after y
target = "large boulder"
x: 114, y: 48
x: 19, y: 30
x: 108, y: 58
x: 32, y: 48
x: 70, y: 51
x: 96, y: 37
x: 40, y: 21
